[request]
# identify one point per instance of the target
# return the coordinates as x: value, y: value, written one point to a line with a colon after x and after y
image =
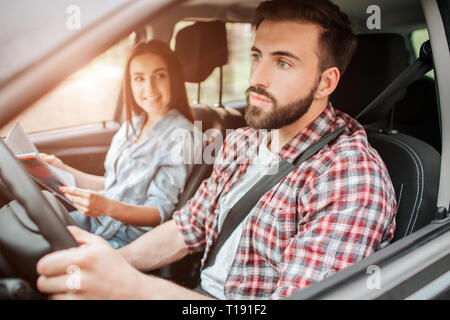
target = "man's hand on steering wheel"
x: 92, y: 271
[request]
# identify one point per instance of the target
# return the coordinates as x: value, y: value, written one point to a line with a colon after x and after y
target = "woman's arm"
x: 134, y: 215
x: 94, y: 204
x: 82, y: 179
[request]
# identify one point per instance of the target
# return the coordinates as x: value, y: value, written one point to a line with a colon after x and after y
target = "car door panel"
x: 82, y: 147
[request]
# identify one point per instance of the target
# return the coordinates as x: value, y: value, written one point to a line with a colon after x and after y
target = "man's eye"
x: 284, y: 64
x: 138, y: 79
x: 255, y: 57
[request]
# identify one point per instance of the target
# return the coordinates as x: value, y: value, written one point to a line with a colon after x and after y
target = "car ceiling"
x: 396, y: 15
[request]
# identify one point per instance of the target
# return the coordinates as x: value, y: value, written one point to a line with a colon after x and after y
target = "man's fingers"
x: 56, y: 263
x: 65, y: 296
x: 64, y: 273
x: 59, y: 262
x: 59, y: 284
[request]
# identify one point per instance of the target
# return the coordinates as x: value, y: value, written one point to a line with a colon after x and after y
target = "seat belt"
x: 243, y: 207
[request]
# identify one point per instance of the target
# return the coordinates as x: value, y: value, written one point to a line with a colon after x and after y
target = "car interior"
x: 394, y: 130
x: 405, y: 129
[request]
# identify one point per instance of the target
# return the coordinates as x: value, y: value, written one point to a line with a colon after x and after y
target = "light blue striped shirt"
x: 151, y: 172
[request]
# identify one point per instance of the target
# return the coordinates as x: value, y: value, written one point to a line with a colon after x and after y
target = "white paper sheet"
x: 18, y: 142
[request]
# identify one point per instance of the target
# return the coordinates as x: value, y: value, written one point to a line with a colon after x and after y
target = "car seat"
x: 413, y: 165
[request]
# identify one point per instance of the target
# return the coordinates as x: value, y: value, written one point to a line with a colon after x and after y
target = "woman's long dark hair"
x: 178, y: 95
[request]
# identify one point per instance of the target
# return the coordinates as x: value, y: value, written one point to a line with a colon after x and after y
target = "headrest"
x: 201, y: 48
x: 378, y: 59
x: 218, y: 118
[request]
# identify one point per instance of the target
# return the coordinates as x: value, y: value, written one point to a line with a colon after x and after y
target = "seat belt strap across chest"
x: 244, y: 205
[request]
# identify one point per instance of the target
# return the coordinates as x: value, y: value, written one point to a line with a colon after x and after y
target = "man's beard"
x: 278, y: 116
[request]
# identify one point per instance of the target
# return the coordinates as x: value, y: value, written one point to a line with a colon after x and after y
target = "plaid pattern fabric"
x: 333, y: 210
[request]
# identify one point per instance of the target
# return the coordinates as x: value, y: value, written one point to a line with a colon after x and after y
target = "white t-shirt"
x: 212, y: 279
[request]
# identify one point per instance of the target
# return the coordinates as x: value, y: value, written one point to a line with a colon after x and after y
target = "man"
x: 333, y: 210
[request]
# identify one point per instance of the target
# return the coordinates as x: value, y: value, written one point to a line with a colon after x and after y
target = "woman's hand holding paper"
x: 88, y: 202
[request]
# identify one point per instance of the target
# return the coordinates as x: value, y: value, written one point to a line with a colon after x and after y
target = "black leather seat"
x: 414, y: 169
x: 413, y: 165
x: 378, y: 59
x: 417, y: 113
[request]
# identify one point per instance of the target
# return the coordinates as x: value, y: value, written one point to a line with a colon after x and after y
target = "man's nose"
x: 259, y: 75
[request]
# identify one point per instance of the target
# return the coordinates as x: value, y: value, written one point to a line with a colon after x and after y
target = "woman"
x: 144, y: 174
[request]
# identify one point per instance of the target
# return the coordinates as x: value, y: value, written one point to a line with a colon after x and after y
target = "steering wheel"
x: 31, y: 226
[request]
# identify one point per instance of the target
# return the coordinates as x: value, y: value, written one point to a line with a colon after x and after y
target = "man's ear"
x: 328, y: 82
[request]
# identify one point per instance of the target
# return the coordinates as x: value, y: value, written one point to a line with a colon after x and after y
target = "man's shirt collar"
x: 323, y: 124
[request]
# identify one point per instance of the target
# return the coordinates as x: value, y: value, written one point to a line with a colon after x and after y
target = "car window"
x: 417, y: 38
x: 87, y: 96
x: 235, y: 72
x: 25, y: 24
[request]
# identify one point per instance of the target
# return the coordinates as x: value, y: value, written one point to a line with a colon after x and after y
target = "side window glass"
x: 417, y: 38
x: 235, y: 73
x: 87, y: 96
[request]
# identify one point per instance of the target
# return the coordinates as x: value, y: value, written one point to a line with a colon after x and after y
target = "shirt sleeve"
x: 168, y: 183
x: 348, y: 211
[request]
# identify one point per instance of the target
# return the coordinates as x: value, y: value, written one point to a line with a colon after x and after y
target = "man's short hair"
x: 337, y: 41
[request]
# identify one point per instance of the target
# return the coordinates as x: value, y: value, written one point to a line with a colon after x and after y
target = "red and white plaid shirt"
x: 333, y: 210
